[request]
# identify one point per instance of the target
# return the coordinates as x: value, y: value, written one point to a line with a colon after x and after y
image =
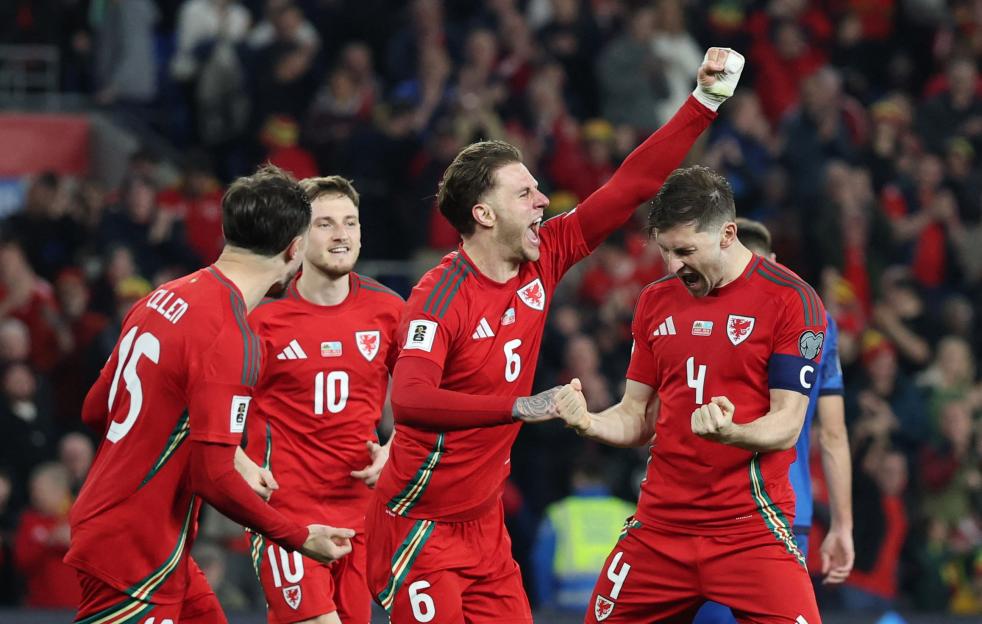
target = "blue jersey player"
x: 826, y: 400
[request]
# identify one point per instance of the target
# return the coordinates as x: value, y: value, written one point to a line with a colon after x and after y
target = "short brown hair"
x: 754, y: 236
x: 315, y: 188
x: 696, y: 195
x: 469, y: 177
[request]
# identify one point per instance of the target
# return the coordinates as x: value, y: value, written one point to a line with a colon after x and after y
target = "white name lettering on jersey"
x: 161, y: 302
x: 421, y: 335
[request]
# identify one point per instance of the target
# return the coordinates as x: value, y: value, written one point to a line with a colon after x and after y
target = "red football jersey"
x: 183, y: 368
x: 760, y: 332
x: 485, y: 336
x: 321, y: 395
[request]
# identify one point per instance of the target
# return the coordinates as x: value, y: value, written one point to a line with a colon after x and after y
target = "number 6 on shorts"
x: 423, y: 608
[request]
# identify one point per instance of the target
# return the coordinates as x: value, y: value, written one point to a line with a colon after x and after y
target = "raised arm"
x: 642, y: 173
x: 628, y: 423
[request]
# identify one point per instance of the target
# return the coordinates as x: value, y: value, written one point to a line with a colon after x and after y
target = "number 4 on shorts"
x: 617, y: 577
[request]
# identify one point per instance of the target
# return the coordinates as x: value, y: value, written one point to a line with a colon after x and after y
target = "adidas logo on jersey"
x: 293, y: 351
x: 667, y: 328
x: 483, y: 330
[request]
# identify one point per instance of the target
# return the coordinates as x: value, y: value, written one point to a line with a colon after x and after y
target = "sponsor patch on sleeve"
x: 421, y: 335
x: 810, y: 344
x: 240, y: 409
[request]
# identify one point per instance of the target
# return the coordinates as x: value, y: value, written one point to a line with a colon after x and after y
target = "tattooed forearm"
x: 536, y: 408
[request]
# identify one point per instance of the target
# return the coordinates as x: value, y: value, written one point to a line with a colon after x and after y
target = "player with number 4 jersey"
x: 438, y: 548
x: 329, y: 345
x: 726, y: 350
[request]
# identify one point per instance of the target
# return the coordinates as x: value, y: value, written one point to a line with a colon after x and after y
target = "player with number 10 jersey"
x: 329, y: 345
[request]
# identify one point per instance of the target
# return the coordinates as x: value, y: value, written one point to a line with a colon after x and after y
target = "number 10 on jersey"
x: 330, y: 390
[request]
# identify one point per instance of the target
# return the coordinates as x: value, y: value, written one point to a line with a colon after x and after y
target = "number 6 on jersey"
x: 513, y: 362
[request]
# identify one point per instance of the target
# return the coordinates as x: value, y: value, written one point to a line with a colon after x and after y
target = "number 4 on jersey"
x: 696, y: 382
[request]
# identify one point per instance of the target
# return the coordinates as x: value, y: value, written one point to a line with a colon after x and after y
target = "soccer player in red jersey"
x: 437, y: 546
x: 726, y: 349
x: 172, y: 402
x: 329, y: 344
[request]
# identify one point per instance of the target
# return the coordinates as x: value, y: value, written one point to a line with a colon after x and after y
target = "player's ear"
x: 483, y: 214
x: 295, y: 248
x: 729, y: 234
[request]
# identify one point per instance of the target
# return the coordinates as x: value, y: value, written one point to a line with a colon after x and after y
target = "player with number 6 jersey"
x: 172, y: 403
x: 329, y: 345
x: 438, y: 548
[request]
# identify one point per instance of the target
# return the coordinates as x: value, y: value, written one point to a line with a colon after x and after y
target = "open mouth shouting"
x: 533, y: 232
x: 691, y: 279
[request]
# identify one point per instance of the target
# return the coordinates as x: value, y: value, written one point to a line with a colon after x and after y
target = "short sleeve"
x: 642, y: 367
x: 221, y: 387
x: 799, y: 337
x: 830, y: 373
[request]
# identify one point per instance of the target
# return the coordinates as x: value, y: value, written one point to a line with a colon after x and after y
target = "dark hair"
x: 316, y: 188
x: 263, y: 212
x: 469, y: 177
x: 754, y: 236
x: 691, y: 195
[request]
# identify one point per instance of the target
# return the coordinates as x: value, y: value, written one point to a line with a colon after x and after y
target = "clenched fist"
x: 714, y: 420
x: 718, y: 76
x: 572, y: 406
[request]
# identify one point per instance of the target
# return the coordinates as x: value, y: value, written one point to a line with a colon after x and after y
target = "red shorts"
x: 658, y: 576
x: 444, y: 572
x: 104, y: 604
x: 298, y: 588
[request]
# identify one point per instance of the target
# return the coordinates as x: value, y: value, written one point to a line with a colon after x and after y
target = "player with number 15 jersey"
x: 172, y: 402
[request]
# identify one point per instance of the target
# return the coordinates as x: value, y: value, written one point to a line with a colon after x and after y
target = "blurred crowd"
x: 855, y: 137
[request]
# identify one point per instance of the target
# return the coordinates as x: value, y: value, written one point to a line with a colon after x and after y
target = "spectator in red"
x: 782, y: 61
x: 30, y: 299
x: 582, y: 158
x: 881, y: 529
x: 919, y: 214
x: 198, y: 201
x: 42, y: 540
x: 949, y: 470
x: 78, y: 327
